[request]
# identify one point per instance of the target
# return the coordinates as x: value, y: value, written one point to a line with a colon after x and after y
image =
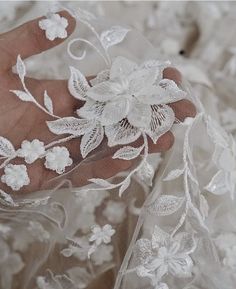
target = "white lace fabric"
x: 152, y: 227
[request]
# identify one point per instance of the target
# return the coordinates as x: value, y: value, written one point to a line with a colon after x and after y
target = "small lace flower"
x: 31, y: 151
x: 55, y: 26
x: 57, y: 159
x: 115, y: 212
x: 15, y: 176
x: 104, y: 254
x: 102, y: 234
x: 10, y: 264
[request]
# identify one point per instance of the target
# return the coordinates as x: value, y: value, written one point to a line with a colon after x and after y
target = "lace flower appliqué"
x: 132, y: 101
x: 31, y: 151
x: 54, y: 26
x: 10, y: 264
x: 15, y: 176
x: 57, y: 159
x: 102, y: 235
x: 164, y: 254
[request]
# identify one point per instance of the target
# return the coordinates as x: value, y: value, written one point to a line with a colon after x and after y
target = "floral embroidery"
x: 102, y: 234
x: 54, y: 26
x: 15, y: 176
x: 57, y: 159
x: 102, y: 255
x: 164, y: 254
x: 115, y: 212
x: 31, y: 151
x: 136, y: 93
x: 10, y: 264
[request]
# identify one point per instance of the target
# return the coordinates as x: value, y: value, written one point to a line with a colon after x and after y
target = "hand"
x: 24, y: 121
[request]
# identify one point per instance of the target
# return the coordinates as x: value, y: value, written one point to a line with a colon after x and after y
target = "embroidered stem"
x: 60, y: 141
x: 84, y: 52
x: 38, y: 104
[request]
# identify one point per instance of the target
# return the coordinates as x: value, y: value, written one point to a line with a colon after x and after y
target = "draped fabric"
x: 115, y: 214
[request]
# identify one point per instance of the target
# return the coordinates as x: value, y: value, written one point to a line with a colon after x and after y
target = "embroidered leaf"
x: 173, y: 175
x: 48, y: 102
x: 196, y: 220
x: 91, y: 109
x: 113, y: 36
x: 146, y: 173
x: 6, y: 148
x: 165, y: 205
x: 187, y: 243
x: 6, y: 199
x: 77, y: 84
x: 121, y: 133
x: 218, y: 184
x: 204, y: 207
x: 101, y: 77
x: 70, y: 125
x: 100, y: 182
x: 124, y: 186
x: 159, y: 237
x: 20, y: 68
x: 128, y: 153
x: 23, y: 95
x: 91, y: 140
x: 162, y: 119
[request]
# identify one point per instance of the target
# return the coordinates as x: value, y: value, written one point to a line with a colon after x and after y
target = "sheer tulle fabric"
x: 164, y: 221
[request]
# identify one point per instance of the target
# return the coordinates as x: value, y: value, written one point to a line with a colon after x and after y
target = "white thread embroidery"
x: 54, y: 26
x: 15, y: 176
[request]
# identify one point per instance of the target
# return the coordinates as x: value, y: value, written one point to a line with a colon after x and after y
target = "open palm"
x: 24, y: 121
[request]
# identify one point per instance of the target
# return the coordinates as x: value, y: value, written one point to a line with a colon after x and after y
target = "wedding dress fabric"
x: 169, y: 221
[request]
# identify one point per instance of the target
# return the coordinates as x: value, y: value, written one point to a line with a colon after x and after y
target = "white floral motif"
x: 115, y: 211
x: 164, y: 254
x: 55, y: 26
x: 15, y: 176
x: 31, y: 151
x: 137, y: 94
x: 10, y: 264
x: 104, y: 254
x: 102, y: 234
x: 57, y: 159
